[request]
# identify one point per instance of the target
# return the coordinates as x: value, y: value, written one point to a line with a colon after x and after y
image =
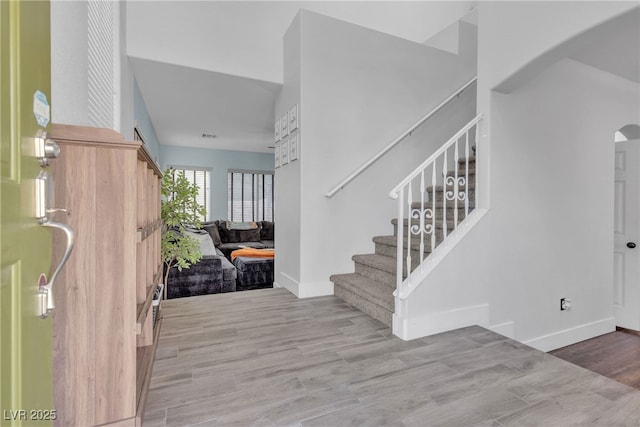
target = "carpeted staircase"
x: 370, y: 288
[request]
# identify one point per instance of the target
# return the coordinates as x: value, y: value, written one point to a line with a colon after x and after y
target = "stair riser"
x: 382, y: 298
x: 375, y: 274
x: 390, y: 251
x: 372, y: 309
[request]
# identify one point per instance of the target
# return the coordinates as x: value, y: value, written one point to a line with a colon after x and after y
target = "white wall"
x: 69, y: 63
x: 70, y: 68
x: 359, y: 90
x: 552, y: 179
x: 288, y: 180
x: 549, y: 139
x: 548, y: 234
x: 124, y: 107
x: 515, y: 35
x: 244, y: 38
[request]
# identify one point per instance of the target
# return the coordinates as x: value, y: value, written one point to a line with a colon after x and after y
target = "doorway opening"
x: 626, y: 229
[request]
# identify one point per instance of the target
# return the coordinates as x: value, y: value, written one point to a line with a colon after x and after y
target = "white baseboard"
x: 507, y: 329
x: 305, y: 289
x: 434, y: 323
x: 572, y: 335
x: 315, y: 289
x: 287, y: 282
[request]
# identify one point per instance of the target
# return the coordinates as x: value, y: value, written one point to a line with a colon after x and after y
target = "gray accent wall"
x: 219, y: 162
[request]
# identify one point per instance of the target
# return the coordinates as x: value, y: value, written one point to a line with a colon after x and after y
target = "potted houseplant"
x: 178, y: 209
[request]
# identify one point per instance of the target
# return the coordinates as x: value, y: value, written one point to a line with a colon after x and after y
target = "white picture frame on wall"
x: 284, y: 125
x: 284, y: 152
x: 293, y: 118
x: 293, y: 148
x: 276, y: 156
x: 276, y: 137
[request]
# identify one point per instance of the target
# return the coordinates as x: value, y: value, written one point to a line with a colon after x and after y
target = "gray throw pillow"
x: 212, y: 229
x: 267, y: 230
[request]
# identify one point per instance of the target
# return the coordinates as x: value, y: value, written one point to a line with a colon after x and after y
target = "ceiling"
x: 184, y: 103
x: 215, y: 67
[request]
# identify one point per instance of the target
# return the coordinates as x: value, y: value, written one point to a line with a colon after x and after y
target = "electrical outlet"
x: 565, y: 304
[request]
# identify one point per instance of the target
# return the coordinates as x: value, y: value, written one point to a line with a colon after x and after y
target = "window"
x: 250, y: 196
x: 201, y: 178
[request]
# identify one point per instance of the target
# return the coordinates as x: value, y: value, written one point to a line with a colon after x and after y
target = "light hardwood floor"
x: 266, y: 358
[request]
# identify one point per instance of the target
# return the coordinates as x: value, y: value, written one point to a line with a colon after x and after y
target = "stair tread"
x: 471, y: 186
x: 377, y: 292
x: 440, y: 205
x: 393, y: 241
x: 439, y: 223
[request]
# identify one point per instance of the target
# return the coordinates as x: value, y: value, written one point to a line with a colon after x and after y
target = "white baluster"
x: 444, y: 199
x: 399, y: 240
x: 466, y: 189
x: 423, y: 211
x: 433, y: 206
x: 477, y: 143
x: 455, y: 187
x: 410, y: 228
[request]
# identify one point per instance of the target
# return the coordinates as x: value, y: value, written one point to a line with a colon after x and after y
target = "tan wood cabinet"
x: 104, y: 338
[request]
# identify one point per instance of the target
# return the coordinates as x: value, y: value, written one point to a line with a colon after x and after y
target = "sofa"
x: 215, y: 273
x: 228, y: 239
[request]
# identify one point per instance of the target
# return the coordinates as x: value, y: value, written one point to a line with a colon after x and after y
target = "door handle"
x: 46, y: 290
x: 631, y: 245
x: 44, y: 213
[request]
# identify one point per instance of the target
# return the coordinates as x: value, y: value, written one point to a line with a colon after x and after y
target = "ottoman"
x: 254, y: 273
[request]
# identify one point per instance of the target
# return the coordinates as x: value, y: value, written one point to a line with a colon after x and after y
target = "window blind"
x: 250, y: 196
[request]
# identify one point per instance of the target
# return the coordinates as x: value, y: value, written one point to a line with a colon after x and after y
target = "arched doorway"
x: 626, y: 250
